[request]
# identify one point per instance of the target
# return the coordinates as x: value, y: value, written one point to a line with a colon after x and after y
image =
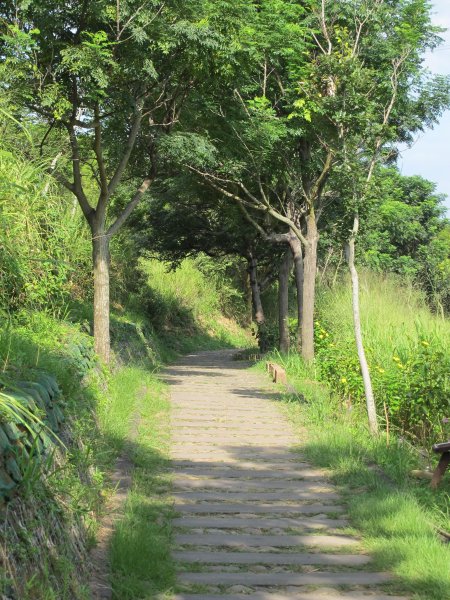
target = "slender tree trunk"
x: 370, y: 401
x: 256, y: 291
x: 309, y: 287
x: 248, y: 300
x: 297, y: 255
x: 100, y: 254
x: 283, y: 300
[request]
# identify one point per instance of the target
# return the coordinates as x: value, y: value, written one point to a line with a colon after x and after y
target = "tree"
x: 209, y: 225
x: 111, y: 77
x: 321, y: 74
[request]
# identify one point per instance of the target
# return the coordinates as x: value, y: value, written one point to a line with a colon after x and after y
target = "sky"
x: 430, y: 154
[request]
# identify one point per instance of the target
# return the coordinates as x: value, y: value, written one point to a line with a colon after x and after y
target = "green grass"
x: 191, y: 309
x: 397, y: 517
x: 393, y: 313
x: 140, y: 557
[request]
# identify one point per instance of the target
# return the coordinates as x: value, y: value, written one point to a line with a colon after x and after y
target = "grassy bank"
x: 119, y: 410
x: 398, y: 516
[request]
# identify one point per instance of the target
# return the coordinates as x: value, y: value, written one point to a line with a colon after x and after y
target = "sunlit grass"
x: 140, y: 548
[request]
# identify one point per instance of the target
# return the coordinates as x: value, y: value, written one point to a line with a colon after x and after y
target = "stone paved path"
x: 255, y: 520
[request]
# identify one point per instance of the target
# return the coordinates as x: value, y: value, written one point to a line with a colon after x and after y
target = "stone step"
x: 317, y: 594
x: 261, y: 465
x: 210, y: 426
x: 194, y: 401
x: 255, y: 440
x: 247, y: 497
x: 233, y: 540
x: 299, y: 471
x: 183, y: 419
x: 270, y: 558
x: 226, y: 508
x: 209, y: 453
x: 258, y: 523
x: 235, y: 484
x: 285, y: 579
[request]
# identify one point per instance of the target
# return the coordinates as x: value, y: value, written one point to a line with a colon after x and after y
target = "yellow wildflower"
x: 396, y: 358
x: 343, y: 380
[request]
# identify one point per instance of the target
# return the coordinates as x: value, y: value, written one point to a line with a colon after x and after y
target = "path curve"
x: 254, y: 519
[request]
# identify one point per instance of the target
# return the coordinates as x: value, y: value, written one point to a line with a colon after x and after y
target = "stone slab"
x: 277, y: 541
x: 300, y: 471
x: 258, y: 523
x: 243, y: 484
x: 274, y: 509
x: 247, y: 497
x: 210, y: 453
x: 210, y: 426
x: 208, y: 462
x: 315, y: 595
x: 284, y: 579
x: 220, y: 522
x: 270, y: 558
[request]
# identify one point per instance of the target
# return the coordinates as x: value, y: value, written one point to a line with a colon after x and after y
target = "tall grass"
x: 393, y: 314
x: 42, y: 244
x: 186, y: 302
x: 407, y: 350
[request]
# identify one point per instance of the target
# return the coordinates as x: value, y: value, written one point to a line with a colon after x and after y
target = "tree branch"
x: 77, y: 186
x: 135, y: 128
x: 104, y: 192
x: 114, y: 228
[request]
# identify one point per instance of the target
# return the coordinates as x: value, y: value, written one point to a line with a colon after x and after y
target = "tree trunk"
x: 248, y: 300
x: 297, y: 255
x: 283, y: 300
x: 256, y: 291
x: 309, y: 287
x: 368, y: 391
x: 100, y: 254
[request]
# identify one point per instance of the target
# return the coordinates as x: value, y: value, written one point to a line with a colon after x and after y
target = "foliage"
x: 407, y: 353
x: 404, y: 231
x: 188, y: 300
x: 41, y: 246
